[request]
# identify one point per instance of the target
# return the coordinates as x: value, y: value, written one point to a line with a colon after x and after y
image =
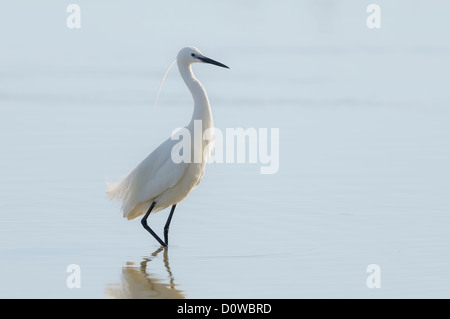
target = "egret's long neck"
x: 202, y: 111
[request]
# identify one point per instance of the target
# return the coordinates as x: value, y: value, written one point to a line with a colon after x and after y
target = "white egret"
x: 158, y: 182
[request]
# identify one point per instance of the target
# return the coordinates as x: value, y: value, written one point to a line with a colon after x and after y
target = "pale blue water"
x: 364, y: 149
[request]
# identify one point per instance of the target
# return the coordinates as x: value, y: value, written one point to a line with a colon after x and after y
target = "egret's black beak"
x: 211, y: 61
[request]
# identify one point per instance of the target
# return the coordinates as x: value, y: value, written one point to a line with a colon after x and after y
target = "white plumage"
x: 158, y: 179
x: 155, y: 176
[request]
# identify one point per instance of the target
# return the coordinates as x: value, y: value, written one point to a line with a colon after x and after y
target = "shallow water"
x: 364, y: 150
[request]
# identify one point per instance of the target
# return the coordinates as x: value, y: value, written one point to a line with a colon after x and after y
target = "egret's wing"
x: 156, y: 182
x: 154, y: 175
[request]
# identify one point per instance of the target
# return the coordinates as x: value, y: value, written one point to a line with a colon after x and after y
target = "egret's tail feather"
x: 123, y: 191
x: 119, y: 191
x: 114, y: 190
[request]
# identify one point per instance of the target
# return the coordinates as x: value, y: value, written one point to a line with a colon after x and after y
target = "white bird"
x: 158, y: 182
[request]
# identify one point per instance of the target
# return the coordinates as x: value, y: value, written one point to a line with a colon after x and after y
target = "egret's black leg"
x: 144, y: 223
x: 166, y: 227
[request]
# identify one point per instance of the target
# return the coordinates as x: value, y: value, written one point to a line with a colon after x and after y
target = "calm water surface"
x: 364, y: 150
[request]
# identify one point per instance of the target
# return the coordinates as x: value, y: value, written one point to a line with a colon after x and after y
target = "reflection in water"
x: 137, y: 283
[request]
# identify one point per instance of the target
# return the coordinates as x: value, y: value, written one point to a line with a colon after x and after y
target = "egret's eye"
x: 193, y: 54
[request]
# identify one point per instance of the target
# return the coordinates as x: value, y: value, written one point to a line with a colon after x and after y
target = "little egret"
x: 158, y: 182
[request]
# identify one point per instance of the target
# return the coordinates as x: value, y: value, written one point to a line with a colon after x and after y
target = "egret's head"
x: 189, y: 55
